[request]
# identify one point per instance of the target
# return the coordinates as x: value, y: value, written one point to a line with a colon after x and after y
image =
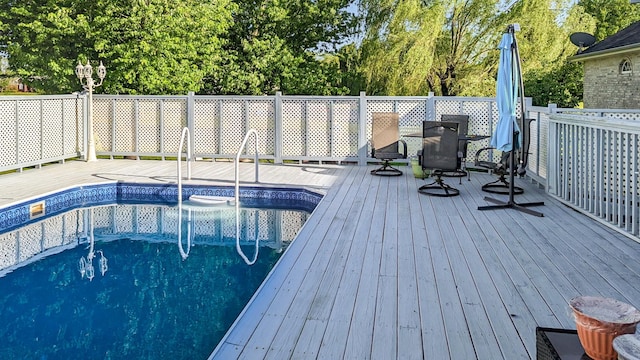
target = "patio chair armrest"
x: 404, y: 148
x: 483, y: 163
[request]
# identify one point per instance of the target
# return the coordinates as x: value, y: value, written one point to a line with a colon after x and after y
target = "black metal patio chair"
x: 501, y: 167
x: 439, y: 155
x: 463, y: 143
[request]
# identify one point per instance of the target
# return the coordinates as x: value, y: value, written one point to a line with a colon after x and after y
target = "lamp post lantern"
x: 85, y: 75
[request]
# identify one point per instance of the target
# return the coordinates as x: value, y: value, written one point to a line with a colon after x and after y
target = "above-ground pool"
x: 135, y: 280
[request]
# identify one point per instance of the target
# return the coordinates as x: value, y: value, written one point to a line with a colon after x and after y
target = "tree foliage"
x: 562, y: 86
x: 281, y: 46
x: 172, y: 47
x: 449, y: 47
x: 148, y: 46
x: 610, y: 16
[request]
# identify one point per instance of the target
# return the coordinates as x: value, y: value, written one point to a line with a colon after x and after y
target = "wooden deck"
x: 380, y: 271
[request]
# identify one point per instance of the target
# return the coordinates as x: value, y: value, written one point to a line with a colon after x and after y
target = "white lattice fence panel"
x: 123, y: 218
x: 8, y: 154
x: 175, y: 118
x: 318, y: 128
x: 262, y: 118
x: 29, y: 130
x: 292, y: 221
x: 73, y: 124
x: 623, y: 115
x: 293, y: 128
x: 233, y: 125
x: 267, y: 224
x: 206, y: 126
x: 102, y: 219
x: 206, y: 225
x: 102, y: 124
x: 8, y: 249
x: 30, y: 238
x: 412, y: 114
x: 73, y: 226
x: 445, y: 107
x: 345, y: 128
x: 479, y: 124
x: 228, y: 226
x: 264, y: 224
x: 169, y: 222
x: 372, y: 107
x: 149, y: 126
x: 53, y: 232
x: 489, y: 127
x: 147, y: 218
x: 251, y: 225
x: 125, y: 126
x: 52, y: 128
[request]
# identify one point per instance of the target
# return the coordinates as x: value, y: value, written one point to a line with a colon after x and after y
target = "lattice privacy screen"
x: 33, y: 239
x: 218, y: 226
x: 320, y: 128
x: 40, y: 129
x: 270, y: 227
x: 147, y: 125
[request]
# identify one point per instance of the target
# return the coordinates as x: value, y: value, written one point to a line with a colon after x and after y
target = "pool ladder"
x: 237, y: 195
x: 186, y: 135
x: 237, y: 161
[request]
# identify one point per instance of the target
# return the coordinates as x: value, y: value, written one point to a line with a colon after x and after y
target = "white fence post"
x: 277, y: 147
x: 191, y: 120
x: 362, y: 130
x: 431, y: 107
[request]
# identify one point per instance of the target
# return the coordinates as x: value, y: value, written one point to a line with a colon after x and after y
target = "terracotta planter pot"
x: 599, y: 320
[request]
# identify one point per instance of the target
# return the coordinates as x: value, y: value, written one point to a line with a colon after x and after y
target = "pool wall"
x: 64, y: 222
x: 18, y: 214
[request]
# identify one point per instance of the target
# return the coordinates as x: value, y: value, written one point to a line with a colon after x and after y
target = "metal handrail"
x: 237, y: 195
x: 238, y: 248
x: 237, y: 170
x: 185, y: 131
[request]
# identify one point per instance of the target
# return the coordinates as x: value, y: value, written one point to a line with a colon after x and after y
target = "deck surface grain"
x: 380, y: 271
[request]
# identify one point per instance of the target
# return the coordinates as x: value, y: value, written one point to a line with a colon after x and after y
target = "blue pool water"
x: 134, y: 292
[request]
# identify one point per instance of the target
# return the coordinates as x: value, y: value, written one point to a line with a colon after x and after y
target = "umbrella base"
x: 512, y: 205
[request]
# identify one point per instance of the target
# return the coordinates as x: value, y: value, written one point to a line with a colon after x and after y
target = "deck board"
x: 381, y: 271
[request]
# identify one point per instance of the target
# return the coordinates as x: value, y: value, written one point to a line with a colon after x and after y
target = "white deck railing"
x: 594, y: 165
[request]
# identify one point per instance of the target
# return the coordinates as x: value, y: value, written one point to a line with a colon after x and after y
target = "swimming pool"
x: 134, y: 291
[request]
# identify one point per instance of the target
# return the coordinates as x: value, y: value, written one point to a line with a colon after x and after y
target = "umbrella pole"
x: 511, y: 203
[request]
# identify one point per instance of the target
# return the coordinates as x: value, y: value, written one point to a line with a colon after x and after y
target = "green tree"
x: 559, y: 80
x: 610, y: 16
x: 561, y: 86
x: 449, y: 47
x: 148, y: 46
x: 284, y: 46
x: 398, y: 49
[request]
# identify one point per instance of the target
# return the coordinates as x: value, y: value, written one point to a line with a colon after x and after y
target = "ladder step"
x: 211, y: 200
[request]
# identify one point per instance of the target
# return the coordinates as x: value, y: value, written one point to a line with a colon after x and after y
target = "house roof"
x: 624, y: 40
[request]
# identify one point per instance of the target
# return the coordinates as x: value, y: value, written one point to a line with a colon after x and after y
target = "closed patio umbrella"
x: 506, y: 97
x: 507, y: 135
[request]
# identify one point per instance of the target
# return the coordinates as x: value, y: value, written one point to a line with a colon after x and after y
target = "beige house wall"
x: 606, y: 88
